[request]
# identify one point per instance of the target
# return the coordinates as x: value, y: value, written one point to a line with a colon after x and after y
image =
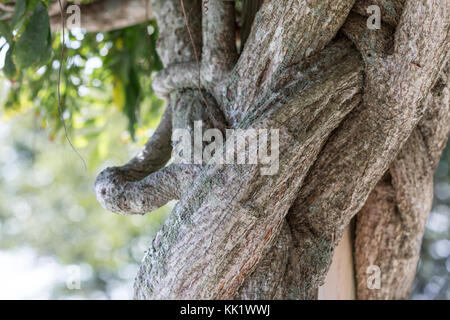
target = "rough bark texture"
x: 272, y: 47
x: 248, y: 208
x: 345, y: 103
x: 360, y: 151
x: 391, y: 223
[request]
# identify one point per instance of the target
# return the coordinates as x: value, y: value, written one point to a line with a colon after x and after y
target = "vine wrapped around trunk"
x: 362, y: 119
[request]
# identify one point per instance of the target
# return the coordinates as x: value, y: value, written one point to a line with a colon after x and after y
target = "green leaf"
x: 19, y: 11
x: 5, y: 31
x: 132, y: 89
x: 47, y: 54
x: 9, y: 69
x: 33, y: 42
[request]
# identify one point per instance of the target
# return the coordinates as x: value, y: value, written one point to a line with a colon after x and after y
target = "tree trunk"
x: 362, y: 116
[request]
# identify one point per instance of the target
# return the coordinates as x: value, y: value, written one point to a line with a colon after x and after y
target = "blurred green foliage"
x: 110, y: 110
x: 47, y: 203
x: 433, y: 272
x: 119, y: 62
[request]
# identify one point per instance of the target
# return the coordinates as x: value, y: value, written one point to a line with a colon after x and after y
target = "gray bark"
x: 344, y: 105
x: 393, y: 219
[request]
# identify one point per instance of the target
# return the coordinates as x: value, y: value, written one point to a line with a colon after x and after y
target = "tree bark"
x: 344, y: 103
x: 391, y: 223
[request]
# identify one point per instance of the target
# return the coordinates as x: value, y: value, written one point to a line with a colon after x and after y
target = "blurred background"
x: 56, y: 242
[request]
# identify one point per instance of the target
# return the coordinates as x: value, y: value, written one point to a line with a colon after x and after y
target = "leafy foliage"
x: 47, y: 203
x: 112, y: 68
x: 34, y: 45
x: 27, y: 35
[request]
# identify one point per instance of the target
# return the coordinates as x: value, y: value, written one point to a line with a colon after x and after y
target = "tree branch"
x: 231, y: 216
x: 138, y: 187
x: 390, y: 226
x: 249, y: 10
x: 6, y: 7
x: 113, y: 185
x: 359, y: 152
x: 156, y: 152
x: 118, y: 194
x: 284, y: 33
x: 219, y: 53
x: 175, y: 76
x: 174, y: 43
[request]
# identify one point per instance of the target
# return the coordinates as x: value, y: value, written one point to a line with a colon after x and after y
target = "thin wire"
x: 59, y: 87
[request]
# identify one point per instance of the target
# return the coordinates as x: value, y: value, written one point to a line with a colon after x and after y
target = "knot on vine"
x: 109, y: 189
x: 175, y: 77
